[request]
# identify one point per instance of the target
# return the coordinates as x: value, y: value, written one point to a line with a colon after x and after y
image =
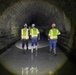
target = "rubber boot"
x: 50, y: 49
x: 32, y: 50
x: 36, y: 48
x: 54, y: 52
x: 27, y: 49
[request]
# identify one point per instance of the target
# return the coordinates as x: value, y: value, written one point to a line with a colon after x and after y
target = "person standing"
x: 35, y: 36
x: 24, y: 37
x: 53, y: 36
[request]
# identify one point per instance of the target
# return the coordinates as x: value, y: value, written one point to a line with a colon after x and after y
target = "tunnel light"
x: 41, y: 44
x: 26, y: 70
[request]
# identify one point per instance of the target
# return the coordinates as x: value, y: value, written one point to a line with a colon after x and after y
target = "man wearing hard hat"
x: 24, y: 37
x: 53, y: 33
x: 34, y: 33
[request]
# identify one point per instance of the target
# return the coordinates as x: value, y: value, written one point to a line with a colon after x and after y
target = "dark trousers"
x: 34, y: 41
x: 53, y: 44
x: 24, y: 42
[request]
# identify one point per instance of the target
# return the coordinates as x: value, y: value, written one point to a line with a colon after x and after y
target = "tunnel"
x: 42, y: 13
x: 26, y: 12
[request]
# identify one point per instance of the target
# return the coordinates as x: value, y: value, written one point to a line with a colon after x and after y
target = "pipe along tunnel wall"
x: 42, y: 13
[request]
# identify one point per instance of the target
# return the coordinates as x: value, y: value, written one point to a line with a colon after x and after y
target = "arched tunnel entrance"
x: 43, y: 14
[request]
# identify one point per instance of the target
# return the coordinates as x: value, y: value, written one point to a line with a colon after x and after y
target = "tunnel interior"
x: 43, y: 13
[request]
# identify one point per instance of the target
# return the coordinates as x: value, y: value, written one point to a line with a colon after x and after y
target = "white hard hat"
x: 33, y: 25
x: 25, y: 25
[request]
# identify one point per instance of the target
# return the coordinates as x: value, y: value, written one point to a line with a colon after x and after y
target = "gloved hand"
x: 38, y: 38
x: 48, y: 39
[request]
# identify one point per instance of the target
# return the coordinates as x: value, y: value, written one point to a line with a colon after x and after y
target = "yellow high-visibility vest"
x: 53, y: 33
x: 34, y: 32
x: 24, y: 33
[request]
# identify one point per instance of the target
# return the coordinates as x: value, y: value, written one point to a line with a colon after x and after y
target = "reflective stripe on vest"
x: 34, y: 35
x: 26, y: 36
x: 51, y: 36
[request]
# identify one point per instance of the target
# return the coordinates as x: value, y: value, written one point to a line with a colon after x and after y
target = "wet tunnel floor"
x: 39, y: 63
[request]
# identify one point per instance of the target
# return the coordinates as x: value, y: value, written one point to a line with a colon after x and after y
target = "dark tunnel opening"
x: 40, y: 20
x: 43, y: 14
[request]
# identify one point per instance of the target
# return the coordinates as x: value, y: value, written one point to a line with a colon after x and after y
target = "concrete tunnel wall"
x: 42, y: 13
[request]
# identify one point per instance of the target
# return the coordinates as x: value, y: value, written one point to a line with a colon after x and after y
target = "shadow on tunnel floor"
x: 4, y: 71
x: 71, y: 55
x: 67, y: 69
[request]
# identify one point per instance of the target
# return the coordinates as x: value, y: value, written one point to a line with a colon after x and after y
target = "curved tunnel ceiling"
x: 42, y: 13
